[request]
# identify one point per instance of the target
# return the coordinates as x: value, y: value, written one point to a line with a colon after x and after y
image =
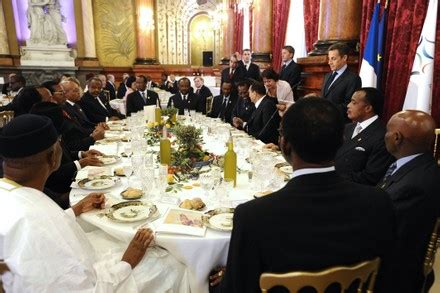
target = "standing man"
x: 142, y: 97
x: 184, y: 99
x: 252, y: 70
x: 340, y: 84
x: 244, y: 108
x: 413, y: 183
x: 290, y: 71
x: 223, y: 104
x: 202, y: 92
x: 122, y: 87
x: 335, y: 222
x: 363, y: 158
x: 234, y: 73
x: 264, y: 122
x: 110, y: 86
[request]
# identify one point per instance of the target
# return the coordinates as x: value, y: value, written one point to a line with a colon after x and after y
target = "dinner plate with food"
x: 220, y: 219
x: 132, y: 211
x: 102, y: 182
x: 195, y: 204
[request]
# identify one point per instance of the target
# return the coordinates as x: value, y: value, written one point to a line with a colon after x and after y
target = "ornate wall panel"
x: 173, y: 18
x: 115, y: 32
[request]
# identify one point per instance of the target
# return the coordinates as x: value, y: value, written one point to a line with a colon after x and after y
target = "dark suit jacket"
x: 93, y: 109
x: 316, y: 221
x: 111, y: 89
x: 217, y: 108
x: 239, y: 75
x: 363, y: 159
x: 60, y: 180
x: 243, y: 109
x: 75, y: 137
x: 202, y: 95
x: 178, y: 103
x: 136, y: 103
x: 121, y: 90
x: 415, y: 191
x: 291, y: 73
x: 341, y: 90
x: 264, y: 122
x: 79, y: 116
x: 253, y: 72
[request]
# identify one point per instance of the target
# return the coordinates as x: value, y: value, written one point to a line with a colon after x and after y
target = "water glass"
x: 128, y: 170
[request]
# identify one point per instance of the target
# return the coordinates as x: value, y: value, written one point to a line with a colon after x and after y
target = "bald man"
x: 413, y: 183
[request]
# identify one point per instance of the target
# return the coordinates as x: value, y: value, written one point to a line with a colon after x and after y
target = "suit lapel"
x: 365, y: 135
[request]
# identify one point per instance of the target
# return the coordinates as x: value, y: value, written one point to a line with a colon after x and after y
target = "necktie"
x: 390, y: 171
x: 223, y: 108
x: 231, y: 73
x: 330, y: 81
x: 198, y: 91
x: 357, y: 130
x: 143, y: 97
x: 283, y: 67
x: 185, y: 102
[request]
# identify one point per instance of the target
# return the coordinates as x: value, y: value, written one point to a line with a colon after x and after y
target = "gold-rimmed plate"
x: 99, y: 183
x: 132, y: 211
x: 108, y: 159
x: 219, y: 219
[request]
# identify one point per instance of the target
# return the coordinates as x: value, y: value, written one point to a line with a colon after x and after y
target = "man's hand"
x: 103, y: 125
x: 90, y: 202
x: 114, y: 118
x: 272, y: 147
x: 237, y: 122
x: 91, y: 153
x: 89, y: 161
x: 281, y: 107
x: 137, y: 247
x: 216, y: 276
x: 98, y: 134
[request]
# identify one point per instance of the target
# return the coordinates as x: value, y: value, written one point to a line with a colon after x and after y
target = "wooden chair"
x: 295, y: 281
x: 209, y: 101
x: 431, y: 250
x: 6, y: 117
x: 3, y: 268
x: 437, y: 146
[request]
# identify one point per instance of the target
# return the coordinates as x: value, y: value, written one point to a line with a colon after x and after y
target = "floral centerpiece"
x: 171, y: 114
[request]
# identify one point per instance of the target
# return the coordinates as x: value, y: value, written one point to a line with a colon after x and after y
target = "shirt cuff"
x: 80, y: 155
x: 78, y: 166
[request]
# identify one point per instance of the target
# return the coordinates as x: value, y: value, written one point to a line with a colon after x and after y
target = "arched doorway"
x: 201, y: 38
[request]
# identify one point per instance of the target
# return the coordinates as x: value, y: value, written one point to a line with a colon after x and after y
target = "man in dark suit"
x: 251, y: 70
x: 318, y: 220
x: 340, y: 84
x: 265, y: 120
x: 122, y: 89
x: 184, y: 99
x: 290, y: 70
x: 142, y: 97
x: 413, y: 183
x: 363, y: 157
x: 244, y: 108
x: 234, y: 73
x: 202, y: 92
x: 110, y: 86
x: 223, y: 104
x: 96, y: 108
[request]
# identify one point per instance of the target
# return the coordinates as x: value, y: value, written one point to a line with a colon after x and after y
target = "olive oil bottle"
x: 230, y: 167
x: 157, y: 113
x: 165, y: 148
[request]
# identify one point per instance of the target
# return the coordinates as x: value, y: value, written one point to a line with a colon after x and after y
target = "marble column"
x: 88, y: 29
x: 4, y: 46
x: 339, y: 21
x: 228, y: 32
x: 261, y: 29
x: 145, y: 33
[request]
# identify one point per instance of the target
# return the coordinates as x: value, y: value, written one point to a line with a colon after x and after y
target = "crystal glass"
x: 128, y: 170
x: 207, y: 183
x: 137, y: 161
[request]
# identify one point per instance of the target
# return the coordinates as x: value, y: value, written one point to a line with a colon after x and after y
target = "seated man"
x: 413, y: 183
x: 363, y: 157
x: 43, y: 246
x: 244, y: 108
x: 184, y: 99
x: 96, y: 108
x: 142, y: 97
x: 265, y: 120
x: 318, y: 220
x: 223, y: 104
x: 202, y: 92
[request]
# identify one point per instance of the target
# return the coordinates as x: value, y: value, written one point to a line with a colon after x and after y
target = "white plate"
x: 96, y: 184
x: 131, y: 211
x: 219, y: 219
x: 107, y: 160
x: 286, y: 169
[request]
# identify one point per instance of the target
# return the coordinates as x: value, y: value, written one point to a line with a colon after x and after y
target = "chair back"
x: 437, y: 146
x: 3, y: 269
x: 209, y: 104
x: 6, y: 117
x: 294, y: 281
x: 433, y: 244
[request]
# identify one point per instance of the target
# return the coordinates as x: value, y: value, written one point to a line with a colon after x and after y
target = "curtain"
x: 436, y: 82
x: 295, y: 32
x: 311, y: 22
x: 280, y: 17
x: 238, y: 25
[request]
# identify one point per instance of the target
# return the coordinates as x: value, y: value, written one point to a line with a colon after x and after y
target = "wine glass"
x: 128, y: 170
x: 207, y: 183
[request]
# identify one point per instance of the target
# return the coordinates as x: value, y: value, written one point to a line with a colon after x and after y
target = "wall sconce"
x: 146, y: 20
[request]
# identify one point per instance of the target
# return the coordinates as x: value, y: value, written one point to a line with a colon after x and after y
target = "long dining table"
x: 200, y: 254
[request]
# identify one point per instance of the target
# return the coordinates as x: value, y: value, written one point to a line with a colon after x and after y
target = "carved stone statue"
x: 45, y: 23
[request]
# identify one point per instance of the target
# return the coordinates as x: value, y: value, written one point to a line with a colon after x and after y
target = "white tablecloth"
x: 199, y: 254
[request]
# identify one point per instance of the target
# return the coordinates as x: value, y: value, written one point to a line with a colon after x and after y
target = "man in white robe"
x: 43, y: 246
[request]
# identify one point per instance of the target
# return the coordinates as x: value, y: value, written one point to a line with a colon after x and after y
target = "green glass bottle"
x: 165, y: 148
x: 157, y: 113
x: 230, y: 168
